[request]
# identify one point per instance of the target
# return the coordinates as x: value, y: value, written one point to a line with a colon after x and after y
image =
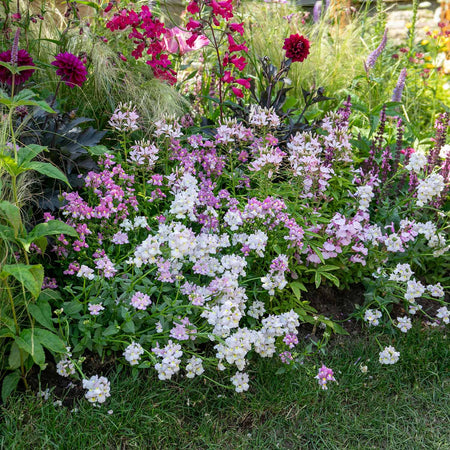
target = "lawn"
x: 406, y: 406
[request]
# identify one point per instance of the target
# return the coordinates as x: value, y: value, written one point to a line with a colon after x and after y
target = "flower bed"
x: 186, y: 244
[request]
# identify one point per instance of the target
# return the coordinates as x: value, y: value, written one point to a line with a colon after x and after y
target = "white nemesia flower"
x: 404, y: 324
x: 240, y: 381
x: 98, y: 389
x: 86, y: 272
x: 389, y: 355
x: 431, y: 187
x: 435, y: 290
x: 194, y: 367
x: 371, y: 316
x: 416, y: 162
x: 402, y: 272
x: 133, y: 353
x: 444, y: 314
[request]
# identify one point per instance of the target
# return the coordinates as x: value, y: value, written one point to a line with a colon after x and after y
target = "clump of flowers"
x: 389, y: 355
x: 125, y: 118
x: 98, y: 389
x: 133, y: 353
x: 147, y: 33
x: 372, y: 316
x: 70, y: 69
x: 324, y: 376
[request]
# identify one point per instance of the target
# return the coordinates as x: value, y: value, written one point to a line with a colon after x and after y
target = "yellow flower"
x: 427, y: 58
x: 430, y: 66
x: 408, y: 25
x: 425, y: 42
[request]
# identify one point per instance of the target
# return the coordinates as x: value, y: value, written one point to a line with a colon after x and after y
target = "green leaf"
x: 46, y: 169
x: 5, y: 332
x: 31, y: 277
x: 7, y: 233
x: 49, y: 294
x: 87, y: 3
x: 52, y: 227
x: 9, y: 385
x: 39, y: 103
x: 334, y: 326
x: 129, y: 327
x: 317, y: 279
x: 72, y: 308
x: 14, y: 357
x: 29, y: 152
x: 24, y: 94
x: 332, y: 278
x: 50, y: 340
x: 10, y: 165
x: 12, y: 214
x: 328, y: 268
x: 42, y: 313
x: 98, y: 150
x: 296, y: 289
x: 29, y: 342
x: 111, y: 330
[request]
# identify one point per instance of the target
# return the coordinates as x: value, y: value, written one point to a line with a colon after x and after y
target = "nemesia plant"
x: 179, y: 265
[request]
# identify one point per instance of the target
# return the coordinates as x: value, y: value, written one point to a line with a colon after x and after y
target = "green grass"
x: 405, y: 406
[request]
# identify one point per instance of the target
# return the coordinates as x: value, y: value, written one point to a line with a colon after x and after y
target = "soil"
x: 65, y: 389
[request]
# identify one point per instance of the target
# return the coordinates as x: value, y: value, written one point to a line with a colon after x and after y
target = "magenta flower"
x: 70, y: 69
x: 23, y: 59
x: 297, y: 47
x: 325, y: 374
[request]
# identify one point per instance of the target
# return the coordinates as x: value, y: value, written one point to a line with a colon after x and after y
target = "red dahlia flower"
x: 70, y: 69
x: 23, y: 59
x: 297, y: 47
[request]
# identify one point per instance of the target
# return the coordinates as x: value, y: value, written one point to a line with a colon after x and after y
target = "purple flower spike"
x: 317, y: 10
x: 398, y: 90
x: 372, y: 59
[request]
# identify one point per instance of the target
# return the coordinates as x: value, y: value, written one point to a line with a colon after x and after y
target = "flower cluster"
x: 98, y: 389
x: 389, y: 355
x: 208, y: 14
x: 133, y: 353
x: 324, y: 376
x: 147, y: 33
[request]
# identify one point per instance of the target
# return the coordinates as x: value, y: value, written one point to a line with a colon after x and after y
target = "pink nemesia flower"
x: 176, y: 41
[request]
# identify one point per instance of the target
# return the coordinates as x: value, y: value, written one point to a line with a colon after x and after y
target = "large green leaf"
x: 50, y: 340
x: 30, y: 342
x: 31, y: 277
x: 12, y: 214
x: 7, y: 233
x: 42, y: 313
x: 29, y: 152
x: 52, y: 227
x: 14, y: 357
x: 9, y: 385
x: 46, y: 169
x: 40, y: 103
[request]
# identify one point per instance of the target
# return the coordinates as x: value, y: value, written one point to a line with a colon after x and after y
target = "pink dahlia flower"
x: 23, y: 59
x: 70, y: 69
